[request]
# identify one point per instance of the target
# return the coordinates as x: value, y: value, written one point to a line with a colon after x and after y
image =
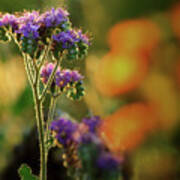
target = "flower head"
x: 64, y: 130
x: 66, y: 39
x: 30, y: 30
x: 46, y: 72
x: 9, y: 20
x: 67, y: 77
x: 92, y: 122
x: 107, y: 161
x: 34, y: 30
x: 83, y: 37
x: 54, y: 17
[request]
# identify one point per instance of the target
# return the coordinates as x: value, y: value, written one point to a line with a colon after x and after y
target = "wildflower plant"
x: 44, y: 40
x: 83, y: 152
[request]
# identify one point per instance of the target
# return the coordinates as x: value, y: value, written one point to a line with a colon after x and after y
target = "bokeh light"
x: 120, y: 73
x: 127, y: 128
x: 159, y: 90
x: 138, y: 35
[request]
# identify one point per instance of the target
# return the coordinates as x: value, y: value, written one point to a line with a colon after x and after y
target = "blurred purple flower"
x: 64, y: 130
x: 9, y: 19
x: 107, y: 161
x: 92, y: 123
x: 83, y: 37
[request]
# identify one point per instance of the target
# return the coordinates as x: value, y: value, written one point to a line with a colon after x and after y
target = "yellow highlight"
x: 159, y: 90
x: 12, y: 80
x: 120, y: 73
x: 122, y: 69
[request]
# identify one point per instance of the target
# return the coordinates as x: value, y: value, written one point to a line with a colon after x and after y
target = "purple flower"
x: 83, y: 37
x: 54, y: 17
x: 66, y: 39
x: 67, y: 76
x: 107, y: 161
x: 64, y: 130
x: 92, y: 123
x: 29, y: 17
x: 76, y: 76
x: 62, y: 78
x: 46, y: 72
x: 9, y: 19
x: 88, y: 138
x: 86, y: 132
x: 30, y: 30
x: 29, y: 25
x: 61, y: 81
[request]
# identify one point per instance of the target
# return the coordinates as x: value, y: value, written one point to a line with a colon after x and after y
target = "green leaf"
x: 25, y: 173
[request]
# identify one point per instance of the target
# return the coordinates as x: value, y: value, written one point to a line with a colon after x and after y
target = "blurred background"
x: 132, y: 81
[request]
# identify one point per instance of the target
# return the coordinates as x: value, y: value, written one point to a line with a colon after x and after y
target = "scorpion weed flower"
x: 30, y: 30
x: 69, y: 81
x: 28, y: 24
x: 62, y: 77
x: 63, y: 130
x: 76, y: 131
x: 106, y: 161
x: 86, y: 132
x: 55, y: 17
x: 10, y: 20
x: 7, y: 21
x: 74, y: 41
x: 92, y: 123
x: 83, y: 148
x: 66, y: 77
x: 46, y: 72
x: 83, y: 37
x: 33, y: 31
x: 65, y: 39
x: 28, y: 17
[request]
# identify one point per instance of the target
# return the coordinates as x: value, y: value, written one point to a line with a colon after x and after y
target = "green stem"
x: 28, y: 70
x: 52, y: 107
x: 38, y: 104
x: 40, y: 126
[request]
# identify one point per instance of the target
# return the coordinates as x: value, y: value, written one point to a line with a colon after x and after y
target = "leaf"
x: 25, y: 173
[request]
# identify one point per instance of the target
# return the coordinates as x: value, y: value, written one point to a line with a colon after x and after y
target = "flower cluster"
x: 33, y: 31
x: 88, y: 151
x: 69, y: 81
x: 64, y: 130
x: 74, y: 41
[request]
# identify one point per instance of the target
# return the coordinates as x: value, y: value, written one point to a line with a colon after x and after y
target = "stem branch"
x: 50, y: 80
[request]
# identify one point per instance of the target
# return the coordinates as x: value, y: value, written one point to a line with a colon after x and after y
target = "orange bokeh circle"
x: 120, y: 73
x: 125, y: 129
x: 140, y: 35
x: 174, y: 18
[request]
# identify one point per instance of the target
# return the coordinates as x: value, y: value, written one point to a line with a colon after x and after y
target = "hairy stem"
x: 40, y: 126
x: 28, y: 70
x: 52, y: 107
x: 33, y: 73
x: 38, y: 104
